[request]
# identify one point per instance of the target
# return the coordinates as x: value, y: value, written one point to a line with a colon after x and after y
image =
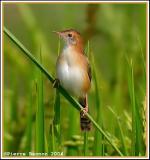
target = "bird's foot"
x: 85, y: 110
x: 56, y: 83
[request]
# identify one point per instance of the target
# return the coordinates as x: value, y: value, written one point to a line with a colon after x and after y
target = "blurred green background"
x: 114, y: 32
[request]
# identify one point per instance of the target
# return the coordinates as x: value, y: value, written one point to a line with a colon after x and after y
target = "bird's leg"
x: 85, y: 109
x: 56, y: 83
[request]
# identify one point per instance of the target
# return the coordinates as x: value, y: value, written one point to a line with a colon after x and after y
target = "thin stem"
x: 53, y: 139
x: 120, y: 129
x: 85, y: 143
x: 133, y: 112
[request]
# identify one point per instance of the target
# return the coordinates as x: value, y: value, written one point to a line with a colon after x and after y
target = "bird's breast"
x: 72, y: 73
x: 71, y: 78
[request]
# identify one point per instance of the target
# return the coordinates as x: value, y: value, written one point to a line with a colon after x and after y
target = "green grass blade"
x: 85, y: 149
x: 29, y: 125
x: 72, y: 129
x: 56, y: 121
x: 132, y: 97
x: 46, y: 145
x: 40, y: 115
x: 57, y: 109
x: 55, y: 135
x: 140, y: 148
x: 98, y: 146
x: 98, y: 136
x: 139, y: 111
x: 51, y: 139
x: 137, y: 128
x: 121, y: 131
x: 74, y: 103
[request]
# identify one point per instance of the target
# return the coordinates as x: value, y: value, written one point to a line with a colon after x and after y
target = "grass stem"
x: 85, y: 143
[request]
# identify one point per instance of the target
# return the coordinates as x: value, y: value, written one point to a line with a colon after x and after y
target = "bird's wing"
x: 89, y: 72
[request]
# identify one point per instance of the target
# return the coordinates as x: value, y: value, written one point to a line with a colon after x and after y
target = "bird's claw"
x: 85, y: 111
x: 56, y: 83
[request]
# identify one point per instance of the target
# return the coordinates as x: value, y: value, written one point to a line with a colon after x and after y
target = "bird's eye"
x: 69, y: 35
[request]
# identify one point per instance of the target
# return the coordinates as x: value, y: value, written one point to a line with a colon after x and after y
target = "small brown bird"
x: 74, y: 72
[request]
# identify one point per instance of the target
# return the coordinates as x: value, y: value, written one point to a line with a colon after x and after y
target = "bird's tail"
x: 85, y: 122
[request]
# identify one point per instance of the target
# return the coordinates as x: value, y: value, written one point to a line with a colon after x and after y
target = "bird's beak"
x: 61, y: 35
x: 58, y: 33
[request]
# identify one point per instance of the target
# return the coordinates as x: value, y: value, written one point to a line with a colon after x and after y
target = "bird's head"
x: 71, y: 37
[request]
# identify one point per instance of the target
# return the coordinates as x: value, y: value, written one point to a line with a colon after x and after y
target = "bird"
x: 73, y: 71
